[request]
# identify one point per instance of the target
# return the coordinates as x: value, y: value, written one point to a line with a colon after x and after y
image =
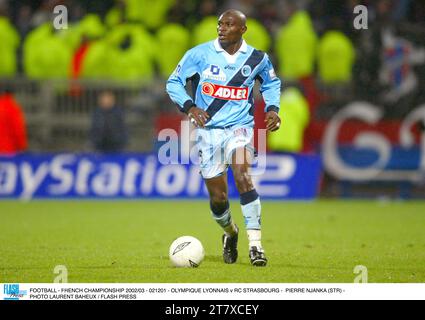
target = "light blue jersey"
x: 222, y: 84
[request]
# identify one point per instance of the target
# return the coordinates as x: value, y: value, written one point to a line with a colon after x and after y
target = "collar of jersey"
x: 230, y: 58
x: 218, y: 47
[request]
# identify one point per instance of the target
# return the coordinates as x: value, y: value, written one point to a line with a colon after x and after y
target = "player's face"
x: 230, y: 29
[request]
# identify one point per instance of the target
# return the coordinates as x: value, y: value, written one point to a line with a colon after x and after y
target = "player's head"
x: 231, y: 26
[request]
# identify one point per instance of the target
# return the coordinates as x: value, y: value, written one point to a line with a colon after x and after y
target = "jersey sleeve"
x: 176, y: 83
x: 270, y: 87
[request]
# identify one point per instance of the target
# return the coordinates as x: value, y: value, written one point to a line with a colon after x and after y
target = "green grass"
x: 127, y: 242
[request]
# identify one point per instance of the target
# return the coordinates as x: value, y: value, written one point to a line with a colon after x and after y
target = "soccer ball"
x: 186, y: 252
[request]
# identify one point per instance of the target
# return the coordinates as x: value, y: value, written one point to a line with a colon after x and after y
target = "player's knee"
x: 219, y: 204
x: 242, y: 180
x: 218, y: 196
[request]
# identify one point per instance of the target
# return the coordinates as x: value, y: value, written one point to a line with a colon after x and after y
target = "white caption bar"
x: 211, y: 291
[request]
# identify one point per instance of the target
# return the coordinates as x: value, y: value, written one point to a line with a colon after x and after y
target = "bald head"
x: 237, y: 15
x: 231, y: 27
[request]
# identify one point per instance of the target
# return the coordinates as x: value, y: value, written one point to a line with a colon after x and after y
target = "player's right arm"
x: 186, y: 69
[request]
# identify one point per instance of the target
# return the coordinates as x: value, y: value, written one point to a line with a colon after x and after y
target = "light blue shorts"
x: 216, y: 148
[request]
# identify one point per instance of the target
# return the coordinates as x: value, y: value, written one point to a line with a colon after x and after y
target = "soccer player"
x: 223, y: 73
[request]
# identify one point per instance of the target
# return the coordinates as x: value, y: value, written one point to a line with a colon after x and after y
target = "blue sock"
x: 251, y: 209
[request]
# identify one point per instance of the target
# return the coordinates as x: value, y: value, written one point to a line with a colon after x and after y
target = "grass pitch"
x: 128, y: 241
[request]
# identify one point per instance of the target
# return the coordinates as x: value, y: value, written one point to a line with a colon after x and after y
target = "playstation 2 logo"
x: 12, y: 292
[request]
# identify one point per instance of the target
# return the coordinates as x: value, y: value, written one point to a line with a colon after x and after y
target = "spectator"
x: 336, y: 56
x: 173, y: 41
x: 154, y: 17
x: 9, y: 38
x: 46, y: 54
x: 205, y: 30
x: 258, y: 35
x: 13, y: 135
x: 296, y: 45
x: 128, y: 52
x: 87, y: 31
x: 296, y: 116
x: 108, y: 130
x: 116, y: 14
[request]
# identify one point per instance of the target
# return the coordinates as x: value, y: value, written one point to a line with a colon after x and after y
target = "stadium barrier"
x: 130, y: 176
x: 58, y: 111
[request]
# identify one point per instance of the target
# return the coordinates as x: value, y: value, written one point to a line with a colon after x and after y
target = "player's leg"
x: 219, y: 203
x: 214, y: 173
x: 250, y: 203
x: 220, y: 209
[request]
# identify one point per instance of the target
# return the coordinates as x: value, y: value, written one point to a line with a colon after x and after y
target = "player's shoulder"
x: 198, y: 52
x: 256, y: 52
x: 203, y: 47
x: 256, y: 56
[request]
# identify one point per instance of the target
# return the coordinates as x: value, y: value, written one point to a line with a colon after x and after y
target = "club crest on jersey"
x: 214, y: 72
x: 246, y: 70
x: 224, y: 92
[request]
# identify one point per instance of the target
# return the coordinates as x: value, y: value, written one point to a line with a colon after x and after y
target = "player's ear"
x: 244, y: 28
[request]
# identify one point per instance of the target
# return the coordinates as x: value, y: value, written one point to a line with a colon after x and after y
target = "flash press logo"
x: 12, y: 292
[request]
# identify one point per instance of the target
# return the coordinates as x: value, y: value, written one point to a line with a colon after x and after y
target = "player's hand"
x: 272, y: 121
x: 198, y: 117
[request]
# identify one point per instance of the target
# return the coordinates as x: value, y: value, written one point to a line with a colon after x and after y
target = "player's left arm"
x: 270, y: 90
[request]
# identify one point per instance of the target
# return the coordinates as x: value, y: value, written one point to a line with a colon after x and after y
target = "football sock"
x: 254, y: 238
x: 231, y: 229
x: 251, y: 210
x: 222, y: 216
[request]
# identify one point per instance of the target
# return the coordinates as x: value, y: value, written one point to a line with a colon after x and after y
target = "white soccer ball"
x: 186, y: 252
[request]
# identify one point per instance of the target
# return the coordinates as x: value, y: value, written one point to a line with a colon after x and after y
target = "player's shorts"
x: 216, y: 147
